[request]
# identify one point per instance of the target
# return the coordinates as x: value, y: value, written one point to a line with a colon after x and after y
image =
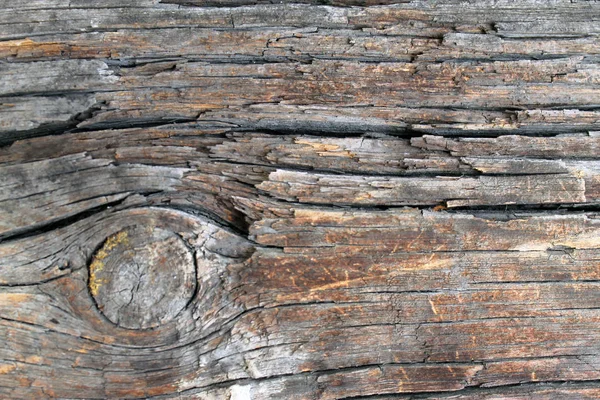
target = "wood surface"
x: 300, y: 199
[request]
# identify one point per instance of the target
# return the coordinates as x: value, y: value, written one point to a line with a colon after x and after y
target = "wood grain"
x: 237, y: 199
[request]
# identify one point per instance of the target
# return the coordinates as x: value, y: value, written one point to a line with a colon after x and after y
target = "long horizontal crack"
x: 31, y: 231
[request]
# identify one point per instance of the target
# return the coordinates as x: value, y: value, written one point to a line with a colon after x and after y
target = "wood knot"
x: 142, y: 277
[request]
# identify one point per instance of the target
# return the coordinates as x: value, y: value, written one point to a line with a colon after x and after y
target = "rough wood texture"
x: 232, y: 199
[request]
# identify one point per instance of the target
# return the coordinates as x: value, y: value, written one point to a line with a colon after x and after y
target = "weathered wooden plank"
x: 197, y: 86
x: 71, y: 185
x: 454, y: 191
x: 481, y: 84
x: 206, y: 199
x: 453, y: 231
x: 24, y: 117
x: 562, y: 146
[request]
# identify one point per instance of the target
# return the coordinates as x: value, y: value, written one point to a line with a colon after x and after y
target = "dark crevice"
x: 516, y: 211
x: 492, y: 212
x: 238, y: 227
x: 430, y: 205
x: 406, y: 173
x: 50, y: 129
x: 34, y: 230
x: 38, y: 283
x: 133, y: 123
x: 54, y: 93
x: 330, y: 129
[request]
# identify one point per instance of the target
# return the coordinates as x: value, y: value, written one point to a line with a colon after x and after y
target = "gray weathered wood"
x: 234, y: 199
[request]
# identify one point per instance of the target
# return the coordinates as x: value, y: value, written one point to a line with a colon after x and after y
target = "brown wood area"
x: 311, y: 199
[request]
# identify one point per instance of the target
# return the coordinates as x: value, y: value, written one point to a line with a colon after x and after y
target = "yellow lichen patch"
x: 95, y: 282
x: 97, y: 264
